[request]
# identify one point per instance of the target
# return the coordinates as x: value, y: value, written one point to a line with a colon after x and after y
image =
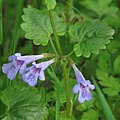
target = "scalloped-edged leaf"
x: 38, y: 27
x: 23, y: 104
x: 50, y: 4
x: 90, y: 37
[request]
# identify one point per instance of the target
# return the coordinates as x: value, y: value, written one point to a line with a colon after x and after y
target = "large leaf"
x: 38, y: 27
x: 23, y: 104
x: 90, y: 37
x: 50, y: 4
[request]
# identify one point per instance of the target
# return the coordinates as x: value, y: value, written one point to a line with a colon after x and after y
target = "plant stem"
x: 52, y: 44
x: 53, y: 75
x: 1, y: 32
x: 66, y: 79
x: 55, y: 33
x: 106, y: 108
x: 65, y: 75
x: 16, y: 25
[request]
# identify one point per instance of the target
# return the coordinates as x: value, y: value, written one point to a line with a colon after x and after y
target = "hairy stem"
x: 52, y: 44
x: 19, y: 9
x: 66, y: 79
x: 55, y: 33
x: 64, y: 69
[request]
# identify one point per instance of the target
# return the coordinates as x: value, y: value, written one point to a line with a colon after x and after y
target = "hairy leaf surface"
x: 90, y: 37
x: 38, y: 27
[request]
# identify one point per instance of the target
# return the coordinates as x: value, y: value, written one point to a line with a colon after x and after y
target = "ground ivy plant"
x: 45, y: 27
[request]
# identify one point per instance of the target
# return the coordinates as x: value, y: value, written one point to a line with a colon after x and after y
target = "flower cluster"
x: 82, y: 86
x: 29, y: 74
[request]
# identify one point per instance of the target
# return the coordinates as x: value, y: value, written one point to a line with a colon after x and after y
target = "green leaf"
x: 110, y: 84
x: 38, y: 27
x: 105, y: 7
x: 106, y: 108
x: 116, y: 65
x: 85, y: 106
x: 104, y: 62
x: 90, y: 115
x: 64, y: 117
x: 23, y: 104
x: 90, y: 37
x: 50, y: 4
x: 62, y: 94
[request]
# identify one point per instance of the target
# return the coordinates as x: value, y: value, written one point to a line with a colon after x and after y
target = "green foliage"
x: 50, y: 4
x: 106, y: 108
x: 62, y: 89
x: 64, y: 117
x: 85, y: 106
x: 23, y: 104
x: 105, y: 73
x: 1, y: 31
x: 106, y: 10
x: 90, y: 115
x: 104, y: 6
x: 116, y: 65
x: 89, y: 37
x: 84, y: 36
x: 110, y: 84
x: 38, y: 27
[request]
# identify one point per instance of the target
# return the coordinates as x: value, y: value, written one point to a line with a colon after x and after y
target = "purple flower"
x: 17, y: 63
x: 82, y: 86
x: 35, y: 71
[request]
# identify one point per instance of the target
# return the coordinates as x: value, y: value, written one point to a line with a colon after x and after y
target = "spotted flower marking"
x: 83, y: 86
x: 36, y: 71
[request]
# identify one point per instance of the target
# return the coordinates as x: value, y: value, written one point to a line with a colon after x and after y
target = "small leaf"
x: 90, y: 37
x: 90, y: 115
x: 23, y: 104
x: 38, y: 27
x: 50, y: 4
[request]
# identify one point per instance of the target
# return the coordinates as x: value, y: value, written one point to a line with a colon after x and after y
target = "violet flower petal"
x: 81, y: 99
x: 44, y: 65
x: 30, y: 78
x: 6, y: 67
x: 76, y: 88
x: 92, y: 87
x: 30, y: 58
x: 23, y: 68
x: 88, y: 96
x: 80, y: 78
x: 42, y: 75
